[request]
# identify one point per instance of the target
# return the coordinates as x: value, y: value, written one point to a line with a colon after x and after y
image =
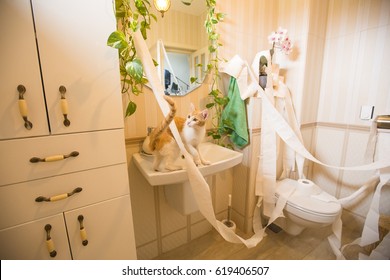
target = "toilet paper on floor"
x: 277, y: 125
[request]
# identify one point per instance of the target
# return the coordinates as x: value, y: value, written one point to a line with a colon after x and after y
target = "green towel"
x: 233, y: 117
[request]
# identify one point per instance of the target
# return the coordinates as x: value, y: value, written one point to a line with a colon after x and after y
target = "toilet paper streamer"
x: 199, y: 186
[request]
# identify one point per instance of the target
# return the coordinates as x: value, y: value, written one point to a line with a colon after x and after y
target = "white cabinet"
x: 69, y: 50
x: 62, y: 151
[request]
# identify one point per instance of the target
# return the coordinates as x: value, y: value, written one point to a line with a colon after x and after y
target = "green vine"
x: 131, y: 15
x: 218, y: 99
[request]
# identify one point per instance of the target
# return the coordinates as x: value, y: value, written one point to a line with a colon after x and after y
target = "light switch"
x: 367, y: 112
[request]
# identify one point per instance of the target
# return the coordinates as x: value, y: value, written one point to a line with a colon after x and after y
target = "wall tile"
x: 352, y: 180
x: 200, y: 229
x: 174, y: 240
x: 329, y: 150
x: 148, y: 251
x: 170, y: 219
x: 224, y: 182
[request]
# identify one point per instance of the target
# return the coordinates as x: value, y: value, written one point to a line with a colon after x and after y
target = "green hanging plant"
x: 218, y: 100
x: 131, y: 15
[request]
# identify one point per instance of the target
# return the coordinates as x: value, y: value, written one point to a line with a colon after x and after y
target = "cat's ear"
x: 192, y: 107
x: 205, y: 114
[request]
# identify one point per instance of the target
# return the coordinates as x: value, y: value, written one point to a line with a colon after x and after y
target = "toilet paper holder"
x: 383, y: 121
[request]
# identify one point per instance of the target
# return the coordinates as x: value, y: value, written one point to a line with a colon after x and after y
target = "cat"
x: 192, y: 131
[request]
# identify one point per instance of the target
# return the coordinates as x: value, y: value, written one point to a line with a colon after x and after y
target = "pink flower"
x: 281, y: 41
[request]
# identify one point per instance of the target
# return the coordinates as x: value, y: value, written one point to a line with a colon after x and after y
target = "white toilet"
x: 308, y: 206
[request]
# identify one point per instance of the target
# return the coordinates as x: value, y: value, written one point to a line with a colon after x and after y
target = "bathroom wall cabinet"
x: 63, y: 172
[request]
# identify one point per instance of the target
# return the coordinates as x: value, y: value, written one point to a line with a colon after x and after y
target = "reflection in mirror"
x: 183, y: 46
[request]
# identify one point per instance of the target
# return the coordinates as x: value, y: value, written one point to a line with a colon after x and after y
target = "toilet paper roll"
x: 230, y: 224
x: 305, y: 183
x: 307, y: 187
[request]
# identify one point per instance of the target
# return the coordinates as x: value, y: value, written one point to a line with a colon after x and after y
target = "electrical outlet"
x: 367, y: 112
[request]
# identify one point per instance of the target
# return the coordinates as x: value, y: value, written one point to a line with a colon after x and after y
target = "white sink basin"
x: 221, y: 159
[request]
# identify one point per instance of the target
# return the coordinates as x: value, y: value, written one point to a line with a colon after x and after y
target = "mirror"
x: 178, y: 43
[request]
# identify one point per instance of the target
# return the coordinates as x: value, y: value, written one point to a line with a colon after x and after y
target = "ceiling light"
x: 162, y: 6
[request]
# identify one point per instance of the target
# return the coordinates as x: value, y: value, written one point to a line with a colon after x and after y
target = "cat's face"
x: 196, y: 117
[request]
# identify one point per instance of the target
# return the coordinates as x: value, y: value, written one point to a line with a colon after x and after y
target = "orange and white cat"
x: 192, y: 131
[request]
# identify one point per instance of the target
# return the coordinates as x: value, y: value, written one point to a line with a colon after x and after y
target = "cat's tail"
x: 154, y: 135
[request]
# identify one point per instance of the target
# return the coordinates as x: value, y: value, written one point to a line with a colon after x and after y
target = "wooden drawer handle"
x: 58, y: 197
x: 64, y: 106
x: 23, y: 107
x: 49, y: 242
x: 83, y: 232
x: 54, y: 158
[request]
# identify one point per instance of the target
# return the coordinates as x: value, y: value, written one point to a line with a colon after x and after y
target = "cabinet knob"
x: 83, y: 232
x: 58, y: 197
x: 54, y: 158
x: 64, y: 105
x: 23, y: 109
x: 49, y: 242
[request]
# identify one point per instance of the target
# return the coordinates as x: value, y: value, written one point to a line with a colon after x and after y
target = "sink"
x: 221, y: 159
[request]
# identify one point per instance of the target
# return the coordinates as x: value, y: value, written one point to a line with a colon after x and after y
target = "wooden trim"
x: 137, y: 140
x: 343, y: 126
x: 134, y: 141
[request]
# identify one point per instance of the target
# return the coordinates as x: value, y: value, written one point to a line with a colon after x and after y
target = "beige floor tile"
x: 312, y: 244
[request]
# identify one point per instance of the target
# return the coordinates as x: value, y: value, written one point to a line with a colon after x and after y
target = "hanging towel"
x: 234, y: 116
x: 239, y: 69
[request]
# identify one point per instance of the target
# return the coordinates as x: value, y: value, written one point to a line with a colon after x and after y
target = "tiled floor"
x: 312, y: 244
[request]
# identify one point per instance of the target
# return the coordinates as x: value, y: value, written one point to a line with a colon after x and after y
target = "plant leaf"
x: 117, y: 40
x: 131, y: 108
x: 135, y: 69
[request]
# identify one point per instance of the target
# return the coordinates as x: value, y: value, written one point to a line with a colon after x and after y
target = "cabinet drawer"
x: 95, y: 150
x: 18, y: 205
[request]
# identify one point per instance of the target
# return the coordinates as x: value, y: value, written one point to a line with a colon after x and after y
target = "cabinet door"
x: 72, y: 42
x: 109, y: 231
x: 28, y: 241
x: 19, y: 66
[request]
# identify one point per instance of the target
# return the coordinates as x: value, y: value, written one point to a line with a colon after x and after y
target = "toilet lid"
x: 313, y: 205
x: 313, y: 200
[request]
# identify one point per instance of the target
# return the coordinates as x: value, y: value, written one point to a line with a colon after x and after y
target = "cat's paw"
x: 206, y: 162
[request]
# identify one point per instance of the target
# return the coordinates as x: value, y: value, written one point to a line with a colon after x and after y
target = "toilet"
x: 307, y: 207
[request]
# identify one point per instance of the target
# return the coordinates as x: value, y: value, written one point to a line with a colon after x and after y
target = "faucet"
x: 150, y: 129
